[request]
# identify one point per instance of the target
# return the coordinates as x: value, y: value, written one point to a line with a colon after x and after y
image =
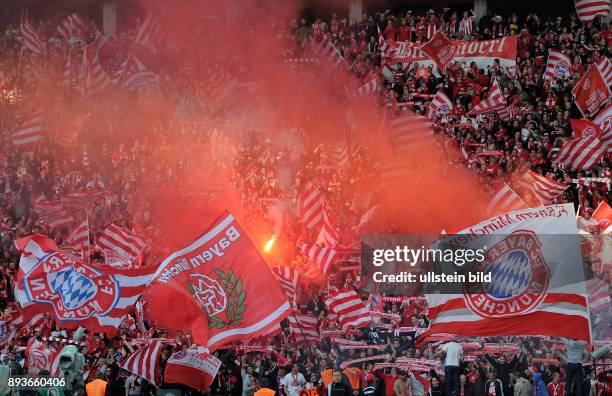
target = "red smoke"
x: 272, y: 102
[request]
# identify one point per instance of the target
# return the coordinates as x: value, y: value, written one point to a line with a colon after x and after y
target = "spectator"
x: 494, y: 386
x: 402, y: 386
x: 573, y: 367
x: 522, y: 387
x: 339, y: 387
x: 453, y: 354
x: 97, y: 387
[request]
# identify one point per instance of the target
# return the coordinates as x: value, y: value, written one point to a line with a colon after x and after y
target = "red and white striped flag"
x: 351, y: 310
x: 411, y: 132
x: 604, y: 120
x: 585, y: 150
x: 581, y: 153
x: 558, y: 65
x: 92, y: 77
x: 329, y: 53
x: 287, y: 278
x: 324, y: 258
x: 440, y: 105
x: 329, y: 235
x: 505, y: 200
x: 466, y: 26
x: 395, y: 176
x: 543, y: 189
x: 145, y: 362
x: 133, y: 73
x: 30, y: 132
x: 118, y: 240
x: 79, y: 239
x: 598, y: 293
x: 494, y: 103
x: 310, y: 206
x: 72, y: 26
x: 9, y: 328
x: 369, y: 87
x: 52, y: 213
x: 149, y: 33
x: 32, y: 39
x: 337, y: 157
x: 587, y: 10
x: 384, y: 46
x: 303, y: 327
x: 605, y: 67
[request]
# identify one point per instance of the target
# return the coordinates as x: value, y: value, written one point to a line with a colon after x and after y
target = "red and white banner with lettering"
x: 482, y: 53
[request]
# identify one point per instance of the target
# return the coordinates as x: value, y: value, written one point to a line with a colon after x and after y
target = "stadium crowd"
x: 117, y: 178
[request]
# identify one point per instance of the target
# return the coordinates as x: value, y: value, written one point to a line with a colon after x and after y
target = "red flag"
x: 224, y: 274
x: 187, y: 367
x: 440, y: 49
x: 591, y: 92
x: 603, y: 216
x: 75, y: 292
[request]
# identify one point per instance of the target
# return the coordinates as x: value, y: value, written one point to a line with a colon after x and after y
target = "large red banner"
x: 225, y: 275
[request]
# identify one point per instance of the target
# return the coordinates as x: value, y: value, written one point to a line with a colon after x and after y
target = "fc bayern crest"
x: 209, y: 294
x: 519, y: 278
x: 75, y: 290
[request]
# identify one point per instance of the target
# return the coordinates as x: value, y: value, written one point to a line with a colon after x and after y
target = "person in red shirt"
x: 404, y: 33
x: 390, y: 31
x: 556, y: 386
x: 388, y: 379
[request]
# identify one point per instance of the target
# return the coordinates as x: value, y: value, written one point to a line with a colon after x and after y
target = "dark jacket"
x: 467, y: 391
x: 498, y: 387
x: 341, y: 389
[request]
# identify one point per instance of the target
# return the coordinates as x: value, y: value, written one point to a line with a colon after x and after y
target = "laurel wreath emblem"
x: 235, y: 296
